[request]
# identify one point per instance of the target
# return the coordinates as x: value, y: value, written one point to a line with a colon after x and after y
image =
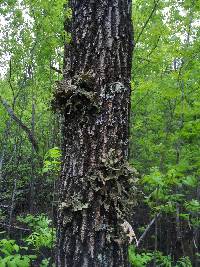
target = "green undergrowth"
x: 35, y: 249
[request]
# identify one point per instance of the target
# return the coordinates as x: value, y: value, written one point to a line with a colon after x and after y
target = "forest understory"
x: 42, y: 125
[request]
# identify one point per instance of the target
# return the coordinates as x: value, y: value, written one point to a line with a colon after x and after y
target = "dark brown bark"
x: 94, y: 100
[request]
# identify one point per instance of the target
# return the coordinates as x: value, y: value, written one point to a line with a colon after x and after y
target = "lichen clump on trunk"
x: 75, y: 93
x: 114, y: 185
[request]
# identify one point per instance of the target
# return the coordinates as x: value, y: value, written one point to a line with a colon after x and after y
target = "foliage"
x: 139, y: 260
x: 144, y: 258
x: 42, y: 234
x: 52, y: 161
x: 12, y: 255
x: 46, y: 263
x: 165, y: 122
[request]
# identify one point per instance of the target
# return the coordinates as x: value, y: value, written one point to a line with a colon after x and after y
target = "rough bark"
x: 94, y: 101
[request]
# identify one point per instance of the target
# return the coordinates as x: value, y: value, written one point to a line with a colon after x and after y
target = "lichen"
x: 112, y: 184
x: 114, y: 89
x: 74, y: 203
x: 115, y: 180
x: 76, y: 93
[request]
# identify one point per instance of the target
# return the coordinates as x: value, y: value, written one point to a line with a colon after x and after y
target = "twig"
x: 147, y: 21
x: 15, y: 227
x: 9, y: 80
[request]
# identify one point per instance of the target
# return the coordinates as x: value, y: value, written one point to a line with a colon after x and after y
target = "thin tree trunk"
x: 32, y: 179
x: 94, y: 101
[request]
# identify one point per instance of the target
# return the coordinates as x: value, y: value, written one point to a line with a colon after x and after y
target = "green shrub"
x: 42, y: 234
x: 12, y: 254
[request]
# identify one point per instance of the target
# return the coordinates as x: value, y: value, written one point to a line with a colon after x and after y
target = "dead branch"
x: 15, y: 227
x: 20, y: 123
x: 147, y: 229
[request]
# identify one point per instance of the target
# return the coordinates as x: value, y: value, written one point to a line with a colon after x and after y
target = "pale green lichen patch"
x: 116, y: 185
x: 113, y: 186
x: 74, y: 203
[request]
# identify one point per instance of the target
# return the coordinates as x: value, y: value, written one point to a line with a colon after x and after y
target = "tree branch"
x: 15, y: 227
x: 147, y: 229
x: 147, y: 21
x: 20, y: 123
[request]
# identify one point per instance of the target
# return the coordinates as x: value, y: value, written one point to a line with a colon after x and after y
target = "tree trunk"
x: 94, y: 101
